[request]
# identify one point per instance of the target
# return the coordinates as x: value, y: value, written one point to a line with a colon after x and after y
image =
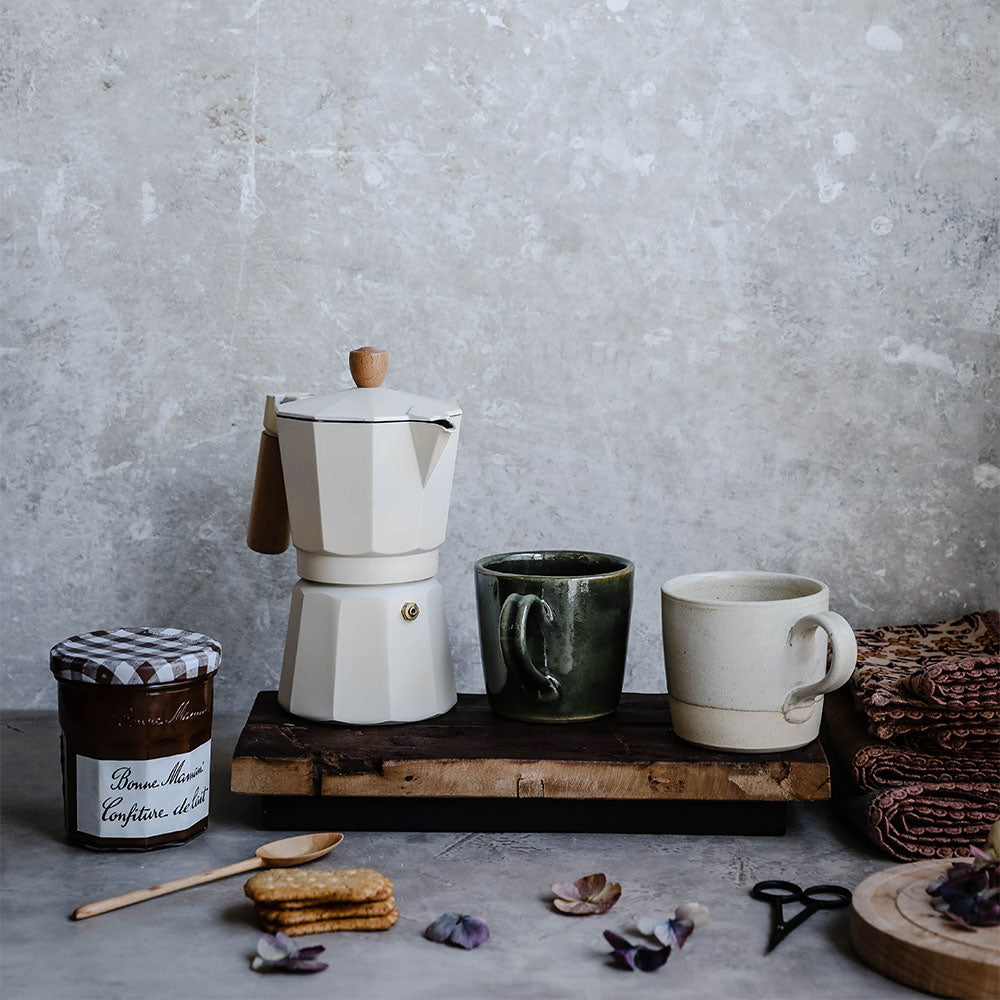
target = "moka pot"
x: 366, y: 476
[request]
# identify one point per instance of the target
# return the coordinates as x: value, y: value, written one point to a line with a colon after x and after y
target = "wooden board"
x: 471, y: 753
x: 896, y: 931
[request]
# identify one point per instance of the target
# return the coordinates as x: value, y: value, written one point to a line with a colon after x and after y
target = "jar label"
x: 142, y: 798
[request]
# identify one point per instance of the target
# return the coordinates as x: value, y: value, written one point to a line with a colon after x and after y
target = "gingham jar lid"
x: 135, y: 656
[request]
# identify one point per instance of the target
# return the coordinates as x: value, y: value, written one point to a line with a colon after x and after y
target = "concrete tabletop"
x: 198, y: 943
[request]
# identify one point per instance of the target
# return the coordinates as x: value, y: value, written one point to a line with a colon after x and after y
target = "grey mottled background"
x: 714, y: 282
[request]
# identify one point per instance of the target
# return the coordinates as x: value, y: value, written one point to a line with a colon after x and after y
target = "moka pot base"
x: 367, y: 655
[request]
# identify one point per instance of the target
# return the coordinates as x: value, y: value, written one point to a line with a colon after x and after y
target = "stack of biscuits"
x: 301, y: 901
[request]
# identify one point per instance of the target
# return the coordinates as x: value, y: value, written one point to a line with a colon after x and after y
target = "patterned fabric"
x: 877, y: 764
x: 921, y: 645
x: 135, y: 656
x: 918, y: 741
x: 913, y: 822
x: 932, y: 685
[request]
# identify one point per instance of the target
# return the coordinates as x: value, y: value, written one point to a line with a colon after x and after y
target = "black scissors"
x: 816, y: 897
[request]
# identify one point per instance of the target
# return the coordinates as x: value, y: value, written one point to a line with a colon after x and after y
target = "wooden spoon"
x: 278, y: 854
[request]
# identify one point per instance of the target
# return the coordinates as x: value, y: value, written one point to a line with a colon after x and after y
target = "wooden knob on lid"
x: 368, y: 365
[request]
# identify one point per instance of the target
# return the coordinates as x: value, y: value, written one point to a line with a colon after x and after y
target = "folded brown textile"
x: 957, y: 731
x: 932, y: 684
x: 876, y: 764
x: 930, y: 821
x: 912, y: 822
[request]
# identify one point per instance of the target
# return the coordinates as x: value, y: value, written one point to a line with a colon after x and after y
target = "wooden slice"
x: 897, y: 932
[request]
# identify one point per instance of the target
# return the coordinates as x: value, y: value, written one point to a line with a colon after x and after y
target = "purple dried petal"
x: 311, y: 952
x: 458, y: 929
x: 283, y: 941
x: 617, y: 942
x: 442, y: 928
x: 625, y: 957
x: 673, y: 932
x: 651, y: 959
x: 956, y: 918
x: 934, y: 889
x: 302, y: 965
x: 624, y: 951
x: 275, y: 947
x: 287, y: 965
x: 967, y: 893
x: 636, y: 956
x: 279, y: 953
x: 470, y: 933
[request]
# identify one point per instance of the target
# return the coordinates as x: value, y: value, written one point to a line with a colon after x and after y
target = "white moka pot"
x: 367, y: 476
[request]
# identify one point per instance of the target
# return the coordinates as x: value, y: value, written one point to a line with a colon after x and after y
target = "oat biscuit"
x: 315, y: 886
x: 325, y: 926
x: 291, y: 905
x: 284, y: 916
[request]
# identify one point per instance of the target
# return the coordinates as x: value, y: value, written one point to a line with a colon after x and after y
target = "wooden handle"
x: 368, y: 366
x: 269, y: 530
x: 128, y: 898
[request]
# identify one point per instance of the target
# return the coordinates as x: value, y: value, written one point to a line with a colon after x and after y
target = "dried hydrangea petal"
x: 582, y: 889
x: 968, y: 893
x: 651, y: 959
x: 617, y: 941
x: 470, y: 933
x: 310, y: 952
x: 675, y: 930
x: 590, y: 894
x: 279, y: 953
x: 636, y: 956
x: 275, y: 947
x: 302, y: 965
x: 458, y: 929
x: 442, y: 928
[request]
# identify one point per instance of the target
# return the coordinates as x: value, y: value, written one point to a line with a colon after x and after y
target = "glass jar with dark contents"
x: 135, y: 709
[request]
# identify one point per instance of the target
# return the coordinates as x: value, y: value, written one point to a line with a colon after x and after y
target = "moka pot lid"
x: 369, y: 402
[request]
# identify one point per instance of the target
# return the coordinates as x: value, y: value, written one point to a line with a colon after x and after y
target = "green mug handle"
x: 514, y: 645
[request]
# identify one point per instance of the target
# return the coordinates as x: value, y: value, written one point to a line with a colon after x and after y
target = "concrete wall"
x: 714, y: 282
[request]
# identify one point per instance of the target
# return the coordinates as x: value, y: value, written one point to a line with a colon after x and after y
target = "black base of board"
x: 293, y: 812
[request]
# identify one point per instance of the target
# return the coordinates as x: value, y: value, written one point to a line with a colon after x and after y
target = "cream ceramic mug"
x: 745, y: 655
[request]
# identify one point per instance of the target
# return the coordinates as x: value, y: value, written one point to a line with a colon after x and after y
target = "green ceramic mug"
x: 553, y: 627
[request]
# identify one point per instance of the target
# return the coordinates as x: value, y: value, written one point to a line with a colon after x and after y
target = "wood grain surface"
x: 269, y: 530
x: 472, y: 753
x: 368, y: 366
x: 898, y: 933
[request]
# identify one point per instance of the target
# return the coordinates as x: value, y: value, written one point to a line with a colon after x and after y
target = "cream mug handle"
x: 800, y: 701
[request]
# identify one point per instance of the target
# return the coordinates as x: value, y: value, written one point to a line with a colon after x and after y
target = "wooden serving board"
x: 898, y: 933
x: 471, y: 756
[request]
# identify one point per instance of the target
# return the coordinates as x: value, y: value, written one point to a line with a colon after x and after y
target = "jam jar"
x: 135, y: 711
